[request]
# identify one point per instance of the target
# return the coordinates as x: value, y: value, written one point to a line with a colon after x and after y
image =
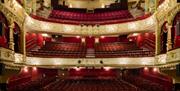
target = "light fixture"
x: 102, y: 37
x: 34, y: 68
x: 44, y: 35
x: 106, y: 68
x: 135, y: 34
x: 77, y: 37
x: 155, y: 69
x: 146, y: 68
x: 77, y: 68
x: 25, y: 69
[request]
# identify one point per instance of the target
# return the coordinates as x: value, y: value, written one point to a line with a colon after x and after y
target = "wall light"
x: 107, y: 68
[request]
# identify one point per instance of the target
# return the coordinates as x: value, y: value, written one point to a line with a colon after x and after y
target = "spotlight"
x: 155, y: 69
x: 79, y: 61
x: 25, y: 69
x: 146, y: 69
x: 106, y: 68
x: 101, y: 62
x: 102, y: 37
x: 77, y: 37
x: 34, y: 68
x: 77, y: 68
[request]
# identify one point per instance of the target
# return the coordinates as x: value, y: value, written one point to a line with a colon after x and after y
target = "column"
x: 146, y: 6
x: 169, y: 36
x: 158, y: 39
x: 22, y: 41
x: 156, y: 4
x: 24, y: 4
x: 11, y: 37
x: 34, y: 7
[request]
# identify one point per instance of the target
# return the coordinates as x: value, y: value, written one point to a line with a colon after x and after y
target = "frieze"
x: 9, y: 15
x: 173, y: 56
x: 6, y: 54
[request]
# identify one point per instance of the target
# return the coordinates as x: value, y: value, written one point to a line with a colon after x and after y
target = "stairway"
x: 90, y: 53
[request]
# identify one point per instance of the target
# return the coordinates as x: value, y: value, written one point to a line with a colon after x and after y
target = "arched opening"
x: 17, y: 39
x: 176, y: 31
x: 163, y: 36
x: 4, y: 31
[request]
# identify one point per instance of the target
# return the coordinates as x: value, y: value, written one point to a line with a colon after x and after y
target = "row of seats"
x: 102, y: 50
x: 117, y: 46
x: 122, y: 14
x: 74, y: 47
x: 18, y: 79
x: 97, y: 22
x: 149, y: 43
x: 31, y: 43
x: 145, y: 85
x: 129, y: 49
x: 62, y: 49
x: 161, y: 79
x: 90, y: 85
x: 134, y: 53
x: 127, y: 83
x: 32, y: 85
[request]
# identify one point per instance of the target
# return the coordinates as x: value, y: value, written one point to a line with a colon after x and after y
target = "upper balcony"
x: 90, y: 12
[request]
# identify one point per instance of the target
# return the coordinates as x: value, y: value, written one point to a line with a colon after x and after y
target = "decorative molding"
x: 122, y: 28
x: 173, y: 56
x: 19, y: 58
x: 168, y: 58
x: 13, y: 11
x: 160, y: 59
x: 113, y: 62
x: 165, y: 11
x: 6, y: 55
x: 172, y: 14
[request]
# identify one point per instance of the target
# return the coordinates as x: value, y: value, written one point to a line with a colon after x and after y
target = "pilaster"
x: 11, y: 36
x: 169, y: 36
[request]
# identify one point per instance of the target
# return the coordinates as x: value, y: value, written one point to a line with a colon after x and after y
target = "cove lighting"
x: 25, y: 69
x: 135, y: 34
x: 70, y: 5
x: 77, y: 68
x: 45, y: 35
x: 34, y: 68
x: 155, y: 69
x: 102, y: 37
x: 106, y: 68
x: 78, y: 37
x: 146, y: 68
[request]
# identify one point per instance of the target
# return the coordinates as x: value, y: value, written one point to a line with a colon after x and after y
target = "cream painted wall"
x: 89, y: 4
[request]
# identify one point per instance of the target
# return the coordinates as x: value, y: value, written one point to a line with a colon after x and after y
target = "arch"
x: 175, y: 36
x: 173, y: 14
x: 4, y: 37
x: 163, y: 38
x: 17, y: 38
